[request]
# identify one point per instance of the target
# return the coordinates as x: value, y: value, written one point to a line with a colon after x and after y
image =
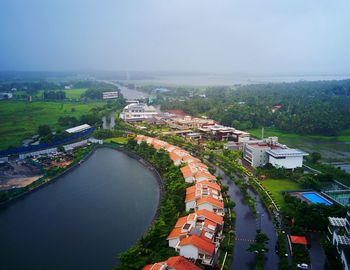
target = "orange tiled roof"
x: 190, y: 197
x: 180, y: 222
x: 174, y: 156
x: 176, y: 233
x: 210, y: 216
x: 208, y: 222
x: 205, y: 174
x: 198, y: 164
x: 180, y: 263
x: 212, y: 201
x: 198, y: 242
x: 156, y: 266
x: 209, y: 184
x: 186, y: 171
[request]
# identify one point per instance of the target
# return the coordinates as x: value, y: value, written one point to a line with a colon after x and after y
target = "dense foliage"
x: 321, y: 107
x: 153, y: 245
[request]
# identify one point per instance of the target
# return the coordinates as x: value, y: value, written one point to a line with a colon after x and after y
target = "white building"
x: 260, y: 152
x: 286, y: 158
x: 110, y: 95
x: 339, y: 229
x: 138, y: 112
x: 78, y: 128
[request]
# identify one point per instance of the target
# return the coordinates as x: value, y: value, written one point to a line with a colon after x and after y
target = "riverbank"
x: 41, y: 182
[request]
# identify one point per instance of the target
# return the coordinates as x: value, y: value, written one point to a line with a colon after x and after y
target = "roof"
x: 175, y: 233
x: 78, y: 128
x: 210, y: 216
x: 174, y: 156
x: 155, y: 266
x: 186, y: 171
x: 199, y: 243
x: 298, y: 240
x: 286, y: 153
x: 181, y: 221
x: 336, y: 221
x: 180, y: 263
x: 211, y: 201
x: 205, y: 174
x: 209, y: 184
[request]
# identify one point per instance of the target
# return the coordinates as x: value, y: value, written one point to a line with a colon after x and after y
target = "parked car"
x: 302, y: 266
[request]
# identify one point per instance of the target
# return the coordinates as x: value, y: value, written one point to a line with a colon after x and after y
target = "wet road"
x: 245, y: 227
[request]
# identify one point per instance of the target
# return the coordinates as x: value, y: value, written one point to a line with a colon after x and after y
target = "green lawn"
x: 276, y: 186
x: 20, y: 119
x: 70, y: 93
x: 118, y: 140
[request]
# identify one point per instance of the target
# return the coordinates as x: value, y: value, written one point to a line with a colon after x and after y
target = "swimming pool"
x: 316, y: 198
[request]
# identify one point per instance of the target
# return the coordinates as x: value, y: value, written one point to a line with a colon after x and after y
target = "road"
x: 245, y: 227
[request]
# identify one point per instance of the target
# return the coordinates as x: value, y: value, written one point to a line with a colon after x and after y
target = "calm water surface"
x: 82, y: 220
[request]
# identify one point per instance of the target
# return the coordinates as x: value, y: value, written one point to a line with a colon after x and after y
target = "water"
x: 315, y: 198
x: 82, y: 220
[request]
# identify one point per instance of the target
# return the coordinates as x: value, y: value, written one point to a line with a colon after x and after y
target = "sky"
x: 222, y: 36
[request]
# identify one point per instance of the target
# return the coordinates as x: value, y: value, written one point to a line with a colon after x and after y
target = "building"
x: 189, y: 171
x: 138, y: 112
x: 339, y: 236
x: 78, y: 128
x: 110, y: 95
x: 286, y: 158
x: 173, y: 263
x: 260, y: 152
x: 201, y: 190
x: 5, y: 95
x: 219, y: 132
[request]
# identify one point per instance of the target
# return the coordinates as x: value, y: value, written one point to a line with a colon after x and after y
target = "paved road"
x: 246, y: 225
x: 317, y: 255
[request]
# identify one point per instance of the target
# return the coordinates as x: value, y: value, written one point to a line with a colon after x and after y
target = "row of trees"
x: 55, y: 95
x: 153, y: 246
x: 304, y: 107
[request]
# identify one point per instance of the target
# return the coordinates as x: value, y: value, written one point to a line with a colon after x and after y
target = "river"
x: 82, y: 220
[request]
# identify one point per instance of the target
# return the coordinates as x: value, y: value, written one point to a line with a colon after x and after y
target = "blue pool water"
x: 316, y: 198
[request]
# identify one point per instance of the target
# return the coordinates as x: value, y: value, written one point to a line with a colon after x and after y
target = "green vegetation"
x: 153, y: 245
x: 277, y: 186
x: 20, y: 120
x: 117, y: 140
x: 260, y: 248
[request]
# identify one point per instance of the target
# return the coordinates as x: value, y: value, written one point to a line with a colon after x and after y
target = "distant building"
x: 260, y: 152
x: 220, y: 132
x: 110, y: 95
x: 5, y: 95
x: 339, y: 235
x: 138, y: 112
x: 78, y: 128
x: 173, y: 263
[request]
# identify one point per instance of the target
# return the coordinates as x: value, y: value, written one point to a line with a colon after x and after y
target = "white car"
x: 303, y: 266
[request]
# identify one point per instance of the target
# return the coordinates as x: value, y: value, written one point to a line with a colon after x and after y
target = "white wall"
x: 287, y: 163
x: 207, y: 206
x: 189, y: 179
x: 173, y: 242
x: 190, y: 205
x: 189, y: 251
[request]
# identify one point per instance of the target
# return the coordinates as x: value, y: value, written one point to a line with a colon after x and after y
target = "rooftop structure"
x: 138, y: 112
x: 173, y: 263
x: 110, y: 95
x: 201, y: 190
x: 78, y: 128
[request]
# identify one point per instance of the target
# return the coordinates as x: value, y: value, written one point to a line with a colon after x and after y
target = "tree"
x: 44, y: 130
x: 259, y: 246
x: 315, y: 157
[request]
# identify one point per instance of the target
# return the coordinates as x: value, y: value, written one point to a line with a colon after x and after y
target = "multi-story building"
x: 110, y: 95
x: 260, y: 152
x: 339, y: 230
x: 138, y: 112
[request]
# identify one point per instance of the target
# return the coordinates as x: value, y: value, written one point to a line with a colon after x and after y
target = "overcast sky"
x: 265, y: 36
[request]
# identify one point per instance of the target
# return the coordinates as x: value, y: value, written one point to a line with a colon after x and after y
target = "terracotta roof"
x: 156, y: 266
x: 185, y: 158
x: 180, y: 263
x: 175, y: 233
x: 186, y: 171
x: 210, y: 215
x: 181, y: 221
x: 298, y: 240
x: 212, y: 201
x: 205, y: 174
x: 174, y: 156
x: 198, y: 165
x: 198, y: 242
x: 209, y: 184
x: 210, y: 224
x: 190, y: 197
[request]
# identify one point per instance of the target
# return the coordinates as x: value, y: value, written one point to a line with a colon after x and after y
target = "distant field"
x: 118, y: 140
x: 70, y: 93
x: 277, y: 186
x: 331, y: 147
x: 20, y: 119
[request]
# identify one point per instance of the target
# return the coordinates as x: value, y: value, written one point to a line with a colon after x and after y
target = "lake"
x: 83, y: 219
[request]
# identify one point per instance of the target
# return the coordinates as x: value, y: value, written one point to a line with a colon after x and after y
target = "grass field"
x: 20, y: 119
x: 118, y: 140
x: 70, y: 93
x: 331, y: 147
x: 276, y: 186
